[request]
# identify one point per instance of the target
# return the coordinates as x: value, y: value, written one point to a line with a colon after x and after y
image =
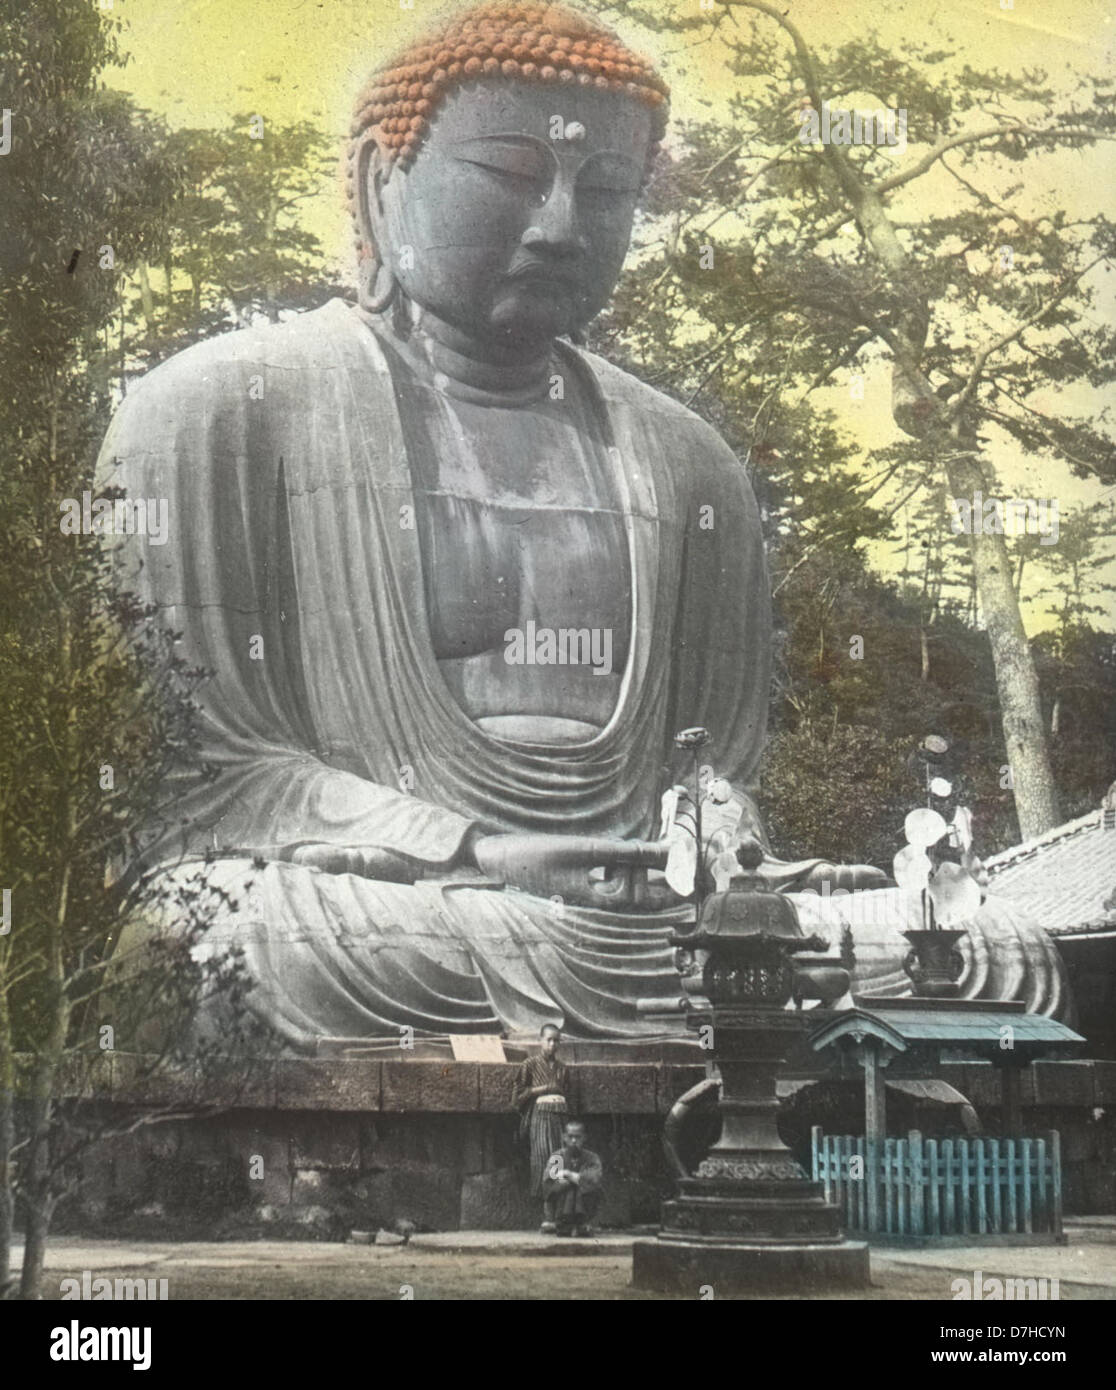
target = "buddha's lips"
x: 545, y: 275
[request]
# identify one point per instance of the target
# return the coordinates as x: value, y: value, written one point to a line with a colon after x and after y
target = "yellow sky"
x: 197, y: 62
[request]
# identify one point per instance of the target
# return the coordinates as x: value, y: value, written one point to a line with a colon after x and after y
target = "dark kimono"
x: 569, y: 1204
x: 542, y: 1113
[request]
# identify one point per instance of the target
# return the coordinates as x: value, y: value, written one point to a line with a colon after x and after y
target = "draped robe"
x: 295, y: 579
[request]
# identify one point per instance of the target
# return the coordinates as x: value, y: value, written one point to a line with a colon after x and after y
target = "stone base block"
x: 498, y: 1202
x: 694, y: 1267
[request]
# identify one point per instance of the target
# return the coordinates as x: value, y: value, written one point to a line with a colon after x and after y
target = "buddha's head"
x: 495, y: 168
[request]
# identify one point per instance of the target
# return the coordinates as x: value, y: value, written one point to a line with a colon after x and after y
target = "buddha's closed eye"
x: 609, y: 175
x: 518, y: 176
x: 527, y: 159
x: 532, y: 167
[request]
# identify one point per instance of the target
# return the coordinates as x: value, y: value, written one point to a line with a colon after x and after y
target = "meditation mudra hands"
x: 594, y: 870
x: 586, y: 870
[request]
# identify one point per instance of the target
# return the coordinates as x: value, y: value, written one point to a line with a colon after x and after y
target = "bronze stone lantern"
x: 750, y: 1218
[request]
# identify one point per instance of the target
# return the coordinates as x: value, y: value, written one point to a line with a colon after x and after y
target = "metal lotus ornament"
x: 949, y: 894
x: 954, y: 894
x: 924, y: 828
x: 911, y: 870
x: 681, y: 822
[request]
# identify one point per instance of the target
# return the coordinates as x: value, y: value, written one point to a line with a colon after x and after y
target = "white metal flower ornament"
x: 949, y: 893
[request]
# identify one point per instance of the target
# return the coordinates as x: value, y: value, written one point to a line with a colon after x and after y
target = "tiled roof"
x: 1062, y: 879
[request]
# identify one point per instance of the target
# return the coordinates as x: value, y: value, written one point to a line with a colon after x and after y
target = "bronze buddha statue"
x: 459, y: 580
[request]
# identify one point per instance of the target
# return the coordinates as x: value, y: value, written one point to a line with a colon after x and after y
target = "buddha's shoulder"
x: 620, y: 386
x: 277, y: 353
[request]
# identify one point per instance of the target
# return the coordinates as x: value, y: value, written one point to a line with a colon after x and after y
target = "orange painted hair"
x: 522, y: 41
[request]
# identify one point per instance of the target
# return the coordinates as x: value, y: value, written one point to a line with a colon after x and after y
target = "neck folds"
x: 468, y: 368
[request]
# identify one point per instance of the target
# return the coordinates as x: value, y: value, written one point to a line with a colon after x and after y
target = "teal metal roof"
x: 971, y: 1028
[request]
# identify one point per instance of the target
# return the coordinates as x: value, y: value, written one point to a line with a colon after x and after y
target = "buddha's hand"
x: 821, y: 876
x: 582, y: 870
x: 851, y: 878
x: 362, y: 860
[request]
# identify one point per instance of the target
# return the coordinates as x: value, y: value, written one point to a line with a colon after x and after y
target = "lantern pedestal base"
x: 669, y: 1265
x: 750, y: 1235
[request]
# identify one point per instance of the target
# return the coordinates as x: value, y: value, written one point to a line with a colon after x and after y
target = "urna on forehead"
x: 549, y: 45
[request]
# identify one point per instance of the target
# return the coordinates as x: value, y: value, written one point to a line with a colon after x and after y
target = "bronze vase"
x: 934, y: 964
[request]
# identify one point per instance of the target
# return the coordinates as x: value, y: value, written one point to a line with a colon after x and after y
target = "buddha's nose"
x: 554, y: 227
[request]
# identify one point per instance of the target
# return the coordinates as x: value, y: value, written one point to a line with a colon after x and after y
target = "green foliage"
x: 234, y: 248
x: 759, y: 279
x: 96, y: 708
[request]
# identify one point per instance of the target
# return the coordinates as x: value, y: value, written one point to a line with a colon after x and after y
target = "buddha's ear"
x: 368, y: 180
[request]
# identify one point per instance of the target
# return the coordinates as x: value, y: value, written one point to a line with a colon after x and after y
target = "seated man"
x: 458, y: 581
x: 572, y: 1186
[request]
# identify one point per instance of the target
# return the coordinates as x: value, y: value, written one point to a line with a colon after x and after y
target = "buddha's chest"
x: 518, y: 523
x: 490, y: 568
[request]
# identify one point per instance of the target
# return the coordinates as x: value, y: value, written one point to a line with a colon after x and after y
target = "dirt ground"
x: 498, y: 1266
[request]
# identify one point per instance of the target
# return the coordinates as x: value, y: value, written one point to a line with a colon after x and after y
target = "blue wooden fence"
x: 943, y: 1187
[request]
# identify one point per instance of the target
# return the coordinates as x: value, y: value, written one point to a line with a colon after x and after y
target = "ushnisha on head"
x: 514, y: 126
x: 549, y: 44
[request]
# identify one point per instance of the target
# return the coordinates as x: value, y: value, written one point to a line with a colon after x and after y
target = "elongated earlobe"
x: 377, y: 289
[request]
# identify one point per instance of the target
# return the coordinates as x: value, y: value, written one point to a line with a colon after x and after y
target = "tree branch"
x: 967, y: 392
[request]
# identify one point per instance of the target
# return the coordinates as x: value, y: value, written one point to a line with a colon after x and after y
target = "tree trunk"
x: 37, y: 1179
x: 1036, y: 804
x: 147, y: 299
x: 7, y: 1143
x: 36, y: 1201
x: 271, y: 223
